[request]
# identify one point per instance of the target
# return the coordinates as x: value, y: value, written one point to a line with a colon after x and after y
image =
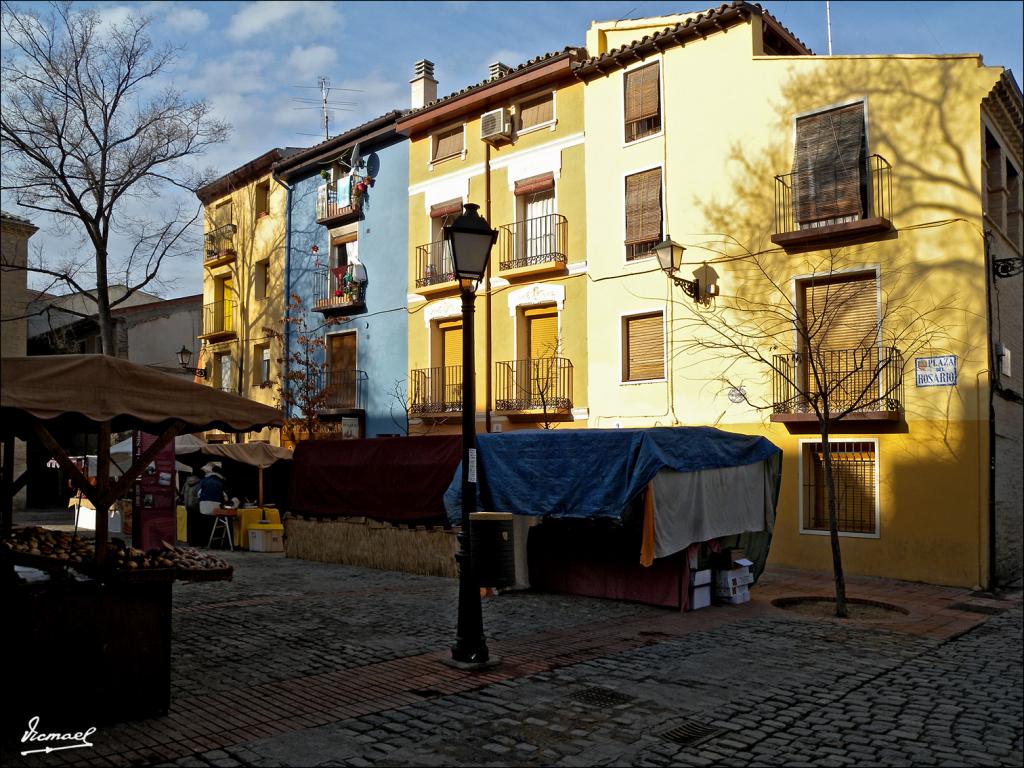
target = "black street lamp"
x: 184, y: 358
x: 469, y: 239
x: 670, y: 258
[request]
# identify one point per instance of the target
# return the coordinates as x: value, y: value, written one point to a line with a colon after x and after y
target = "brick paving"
x: 298, y: 663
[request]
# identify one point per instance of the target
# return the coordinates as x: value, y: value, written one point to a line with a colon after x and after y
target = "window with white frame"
x: 855, y: 478
x: 643, y: 213
x: 448, y: 143
x: 642, y: 101
x: 535, y: 112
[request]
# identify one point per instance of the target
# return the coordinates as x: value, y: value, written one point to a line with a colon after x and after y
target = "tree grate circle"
x: 601, y: 697
x: 691, y: 733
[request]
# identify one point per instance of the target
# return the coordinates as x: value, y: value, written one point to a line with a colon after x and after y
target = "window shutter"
x: 448, y: 143
x: 842, y: 314
x: 452, y: 335
x: 642, y: 93
x: 449, y: 208
x: 540, y: 183
x: 536, y: 111
x: 543, y: 332
x: 643, y: 206
x: 343, y: 351
x: 829, y: 165
x: 645, y: 347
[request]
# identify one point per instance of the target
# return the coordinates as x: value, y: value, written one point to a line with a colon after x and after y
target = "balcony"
x: 219, y: 321
x: 833, y: 205
x: 532, y: 246
x: 868, y: 380
x: 534, y: 389
x: 434, y: 269
x: 333, y: 295
x: 332, y: 209
x: 436, y: 391
x: 341, y: 390
x: 219, y: 246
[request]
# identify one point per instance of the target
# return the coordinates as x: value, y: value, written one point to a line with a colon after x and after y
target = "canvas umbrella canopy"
x: 259, y: 455
x: 44, y: 395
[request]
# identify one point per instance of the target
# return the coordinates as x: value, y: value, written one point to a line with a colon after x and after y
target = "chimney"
x: 497, y: 69
x: 424, y: 86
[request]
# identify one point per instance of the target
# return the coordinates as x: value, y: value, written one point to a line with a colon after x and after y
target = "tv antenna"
x: 324, y: 104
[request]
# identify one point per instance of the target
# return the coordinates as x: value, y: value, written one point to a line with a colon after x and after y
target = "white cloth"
x: 209, y: 507
x: 698, y: 506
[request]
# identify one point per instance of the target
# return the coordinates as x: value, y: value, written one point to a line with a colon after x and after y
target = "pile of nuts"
x: 56, y: 545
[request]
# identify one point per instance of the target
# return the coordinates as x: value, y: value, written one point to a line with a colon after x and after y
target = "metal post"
x: 470, y: 646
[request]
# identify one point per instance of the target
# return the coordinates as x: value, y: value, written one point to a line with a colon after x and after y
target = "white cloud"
x: 312, y: 61
x: 113, y: 15
x: 187, y: 20
x: 270, y: 17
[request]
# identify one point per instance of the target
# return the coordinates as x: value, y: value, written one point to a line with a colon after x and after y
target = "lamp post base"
x: 472, y: 666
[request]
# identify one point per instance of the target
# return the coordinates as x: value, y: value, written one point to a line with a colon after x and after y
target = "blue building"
x: 346, y: 276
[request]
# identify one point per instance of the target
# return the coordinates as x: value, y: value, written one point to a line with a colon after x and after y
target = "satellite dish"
x: 355, y: 161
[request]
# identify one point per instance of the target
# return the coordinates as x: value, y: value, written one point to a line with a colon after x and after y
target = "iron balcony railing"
x: 436, y: 390
x: 219, y: 317
x: 331, y: 291
x: 434, y: 264
x: 525, y: 385
x: 855, y: 380
x: 327, y: 207
x: 220, y: 241
x: 342, y: 389
x: 833, y: 195
x: 533, y: 241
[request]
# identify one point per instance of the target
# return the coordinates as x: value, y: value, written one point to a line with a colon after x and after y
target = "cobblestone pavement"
x: 298, y: 663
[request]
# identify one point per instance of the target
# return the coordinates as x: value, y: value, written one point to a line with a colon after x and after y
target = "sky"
x: 250, y: 60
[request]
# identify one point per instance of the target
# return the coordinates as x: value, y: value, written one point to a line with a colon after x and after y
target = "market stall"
x: 103, y: 605
x: 625, y: 510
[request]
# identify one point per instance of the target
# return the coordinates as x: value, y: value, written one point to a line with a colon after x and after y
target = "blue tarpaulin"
x: 592, y: 473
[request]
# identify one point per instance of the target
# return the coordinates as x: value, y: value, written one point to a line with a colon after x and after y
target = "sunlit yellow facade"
x: 729, y: 100
x: 537, y: 267
x: 243, y: 294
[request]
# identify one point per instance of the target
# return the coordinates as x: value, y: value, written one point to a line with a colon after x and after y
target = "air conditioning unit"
x: 495, y: 126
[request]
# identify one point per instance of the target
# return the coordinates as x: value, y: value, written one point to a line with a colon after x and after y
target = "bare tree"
x: 86, y: 129
x: 831, y: 345
x: 303, y: 391
x: 400, y: 397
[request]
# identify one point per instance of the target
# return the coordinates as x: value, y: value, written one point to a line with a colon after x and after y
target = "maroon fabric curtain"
x: 394, y: 479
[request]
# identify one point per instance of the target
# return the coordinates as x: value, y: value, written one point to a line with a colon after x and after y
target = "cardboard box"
x: 726, y: 559
x: 266, y: 537
x: 700, y: 597
x: 734, y: 596
x: 700, y: 578
x: 734, y: 578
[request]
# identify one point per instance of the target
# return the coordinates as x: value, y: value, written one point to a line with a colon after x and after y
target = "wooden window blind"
x: 643, y: 212
x: 643, y: 347
x: 854, y: 470
x: 841, y: 313
x: 542, y: 330
x: 829, y: 166
x: 448, y: 208
x: 343, y: 351
x: 448, y: 143
x: 223, y: 215
x: 541, y: 183
x: 642, y: 101
x: 451, y: 345
x: 536, y: 111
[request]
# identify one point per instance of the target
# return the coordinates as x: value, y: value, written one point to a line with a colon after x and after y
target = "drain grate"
x: 987, y: 610
x: 601, y: 697
x: 691, y: 733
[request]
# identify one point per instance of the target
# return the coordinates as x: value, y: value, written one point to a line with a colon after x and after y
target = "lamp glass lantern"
x: 470, y: 239
x: 670, y: 255
x: 184, y: 356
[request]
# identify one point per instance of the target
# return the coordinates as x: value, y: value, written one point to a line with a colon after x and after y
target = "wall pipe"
x: 287, y: 273
x: 488, y: 350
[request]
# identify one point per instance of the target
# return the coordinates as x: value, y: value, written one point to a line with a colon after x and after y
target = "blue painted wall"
x: 382, y: 345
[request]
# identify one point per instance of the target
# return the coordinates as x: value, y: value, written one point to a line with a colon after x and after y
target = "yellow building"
x: 868, y: 184
x: 512, y: 144
x: 243, y: 293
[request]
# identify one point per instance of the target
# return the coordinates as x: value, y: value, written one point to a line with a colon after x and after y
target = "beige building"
x: 14, y: 235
